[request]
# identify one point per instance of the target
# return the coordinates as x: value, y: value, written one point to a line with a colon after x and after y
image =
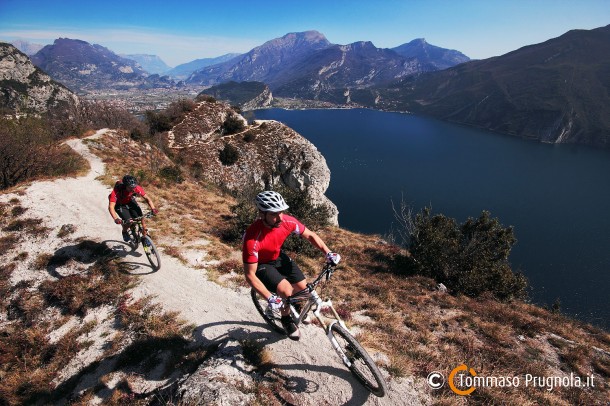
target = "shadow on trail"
x: 85, y: 252
x: 292, y: 383
x: 126, y: 251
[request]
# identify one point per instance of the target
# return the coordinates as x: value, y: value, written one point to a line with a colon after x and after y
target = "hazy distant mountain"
x: 440, y: 58
x: 25, y: 88
x: 150, y: 63
x: 262, y: 62
x: 186, y: 69
x: 557, y: 91
x: 84, y: 67
x: 26, y: 47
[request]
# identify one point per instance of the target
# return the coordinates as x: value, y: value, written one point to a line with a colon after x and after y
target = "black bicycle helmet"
x: 270, y: 201
x: 130, y: 181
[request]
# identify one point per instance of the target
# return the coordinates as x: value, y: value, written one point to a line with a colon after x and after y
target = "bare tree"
x: 404, y: 216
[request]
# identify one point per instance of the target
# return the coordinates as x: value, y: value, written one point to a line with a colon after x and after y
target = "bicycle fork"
x: 328, y: 304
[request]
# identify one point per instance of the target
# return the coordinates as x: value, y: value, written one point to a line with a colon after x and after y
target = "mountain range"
x: 306, y: 65
x: 84, y: 67
x: 557, y: 91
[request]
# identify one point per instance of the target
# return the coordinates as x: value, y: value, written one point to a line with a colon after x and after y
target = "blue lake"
x: 557, y: 197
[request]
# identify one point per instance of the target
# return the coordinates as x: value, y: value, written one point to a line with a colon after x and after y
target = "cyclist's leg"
x: 291, y: 271
x: 274, y: 281
x: 295, y: 279
x: 134, y: 209
x: 123, y: 212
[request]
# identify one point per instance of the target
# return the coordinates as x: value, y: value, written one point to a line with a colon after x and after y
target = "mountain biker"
x: 122, y: 203
x: 267, y: 268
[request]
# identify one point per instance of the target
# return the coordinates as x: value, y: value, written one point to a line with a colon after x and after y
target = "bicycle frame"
x: 315, y: 299
x: 137, y: 224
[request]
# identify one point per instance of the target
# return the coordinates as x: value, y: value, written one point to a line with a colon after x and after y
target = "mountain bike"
x: 351, y: 352
x: 139, y: 233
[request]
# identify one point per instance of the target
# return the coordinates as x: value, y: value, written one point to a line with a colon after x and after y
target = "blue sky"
x: 181, y: 31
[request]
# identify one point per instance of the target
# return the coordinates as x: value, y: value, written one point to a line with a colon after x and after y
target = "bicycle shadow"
x: 124, y: 250
x: 292, y: 383
x: 85, y: 252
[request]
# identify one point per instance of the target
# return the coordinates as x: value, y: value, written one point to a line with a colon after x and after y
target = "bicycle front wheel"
x: 272, y: 317
x: 359, y: 362
x: 151, y: 253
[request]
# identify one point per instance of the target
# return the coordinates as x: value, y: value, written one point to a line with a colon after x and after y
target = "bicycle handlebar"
x: 137, y: 219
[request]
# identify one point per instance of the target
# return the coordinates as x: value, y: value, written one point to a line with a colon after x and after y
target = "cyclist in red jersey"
x: 267, y: 268
x: 122, y: 203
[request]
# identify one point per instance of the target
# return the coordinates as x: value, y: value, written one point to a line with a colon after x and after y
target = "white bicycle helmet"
x: 270, y: 201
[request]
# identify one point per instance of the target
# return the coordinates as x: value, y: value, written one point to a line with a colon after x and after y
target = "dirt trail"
x: 316, y: 376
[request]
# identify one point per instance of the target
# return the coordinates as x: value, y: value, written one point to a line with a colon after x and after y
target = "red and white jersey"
x: 120, y: 194
x: 262, y: 244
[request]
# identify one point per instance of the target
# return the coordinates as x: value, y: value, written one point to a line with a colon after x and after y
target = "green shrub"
x: 172, y: 174
x: 249, y: 136
x: 228, y: 155
x: 201, y: 97
x: 232, y: 124
x: 471, y: 258
x: 158, y: 122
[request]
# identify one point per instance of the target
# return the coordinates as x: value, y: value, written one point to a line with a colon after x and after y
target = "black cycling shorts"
x: 272, y: 273
x: 128, y: 211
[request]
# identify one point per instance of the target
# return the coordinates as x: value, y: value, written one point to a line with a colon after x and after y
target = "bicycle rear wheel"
x: 151, y: 253
x: 359, y: 362
x: 272, y: 317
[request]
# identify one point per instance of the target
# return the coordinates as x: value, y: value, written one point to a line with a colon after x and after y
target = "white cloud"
x: 173, y: 49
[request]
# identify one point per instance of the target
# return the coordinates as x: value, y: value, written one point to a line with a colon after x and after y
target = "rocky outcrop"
x: 224, y: 379
x: 246, y: 95
x: 260, y: 155
x: 25, y: 88
x: 262, y: 100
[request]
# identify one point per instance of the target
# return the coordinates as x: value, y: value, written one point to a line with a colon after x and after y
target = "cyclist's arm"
x: 252, y: 279
x: 315, y: 240
x: 149, y: 201
x: 111, y: 206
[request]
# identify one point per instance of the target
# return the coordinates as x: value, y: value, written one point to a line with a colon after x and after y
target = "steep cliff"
x: 25, y: 88
x: 246, y: 95
x: 263, y: 154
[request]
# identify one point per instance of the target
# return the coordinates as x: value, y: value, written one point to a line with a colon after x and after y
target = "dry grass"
x: 189, y: 211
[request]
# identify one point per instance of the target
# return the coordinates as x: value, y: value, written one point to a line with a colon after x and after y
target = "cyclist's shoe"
x: 292, y: 331
x: 126, y: 236
x: 145, y: 243
x: 306, y: 319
